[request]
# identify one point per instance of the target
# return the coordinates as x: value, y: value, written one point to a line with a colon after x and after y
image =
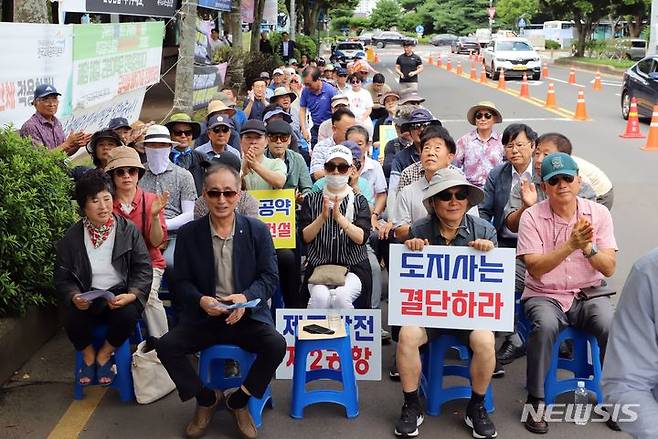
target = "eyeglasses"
x: 187, y: 133
x: 221, y: 129
x: 215, y: 194
x: 331, y: 167
x: 279, y: 137
x: 556, y: 179
x: 487, y: 116
x: 446, y: 195
x: 419, y: 126
x: 517, y: 145
x: 294, y: 81
x: 120, y: 172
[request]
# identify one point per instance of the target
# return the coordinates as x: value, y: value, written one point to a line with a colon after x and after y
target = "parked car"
x: 640, y: 82
x: 443, y: 39
x: 515, y: 56
x: 465, y: 45
x: 365, y: 38
x: 632, y: 48
x: 345, y: 51
x: 389, y: 37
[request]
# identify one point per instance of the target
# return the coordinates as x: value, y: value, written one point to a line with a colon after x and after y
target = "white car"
x: 515, y: 56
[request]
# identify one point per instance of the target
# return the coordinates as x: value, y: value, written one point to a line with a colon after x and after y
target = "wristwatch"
x: 592, y: 252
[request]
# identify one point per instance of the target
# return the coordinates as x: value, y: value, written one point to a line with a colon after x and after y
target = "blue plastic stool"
x: 211, y: 372
x: 434, y: 369
x: 348, y: 397
x: 584, y: 368
x: 123, y: 381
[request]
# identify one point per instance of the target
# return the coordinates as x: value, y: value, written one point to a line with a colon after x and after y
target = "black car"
x: 465, y: 45
x: 383, y: 39
x: 443, y: 39
x: 641, y: 82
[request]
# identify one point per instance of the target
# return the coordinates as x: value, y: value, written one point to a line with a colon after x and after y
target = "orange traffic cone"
x: 550, y: 96
x: 449, y: 64
x: 524, y: 93
x: 483, y: 76
x: 429, y: 61
x: 652, y: 140
x: 581, y: 112
x: 544, y: 71
x: 632, y: 130
x: 597, y: 82
x: 473, y: 72
x: 439, y: 61
x: 501, y: 80
x: 459, y: 68
x: 572, y: 76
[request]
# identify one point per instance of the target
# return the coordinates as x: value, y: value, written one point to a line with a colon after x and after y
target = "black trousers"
x: 120, y: 322
x: 250, y: 335
x: 290, y: 277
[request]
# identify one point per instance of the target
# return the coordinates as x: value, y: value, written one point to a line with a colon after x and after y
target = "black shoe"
x: 499, y: 371
x: 410, y: 419
x: 537, y: 427
x: 393, y: 372
x: 477, y: 419
x: 612, y: 424
x: 508, y: 352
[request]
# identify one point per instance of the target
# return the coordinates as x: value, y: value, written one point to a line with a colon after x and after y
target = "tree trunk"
x: 185, y: 67
x: 234, y: 24
x: 259, y: 6
x: 635, y: 25
x: 30, y: 11
x: 311, y: 18
x: 584, y: 30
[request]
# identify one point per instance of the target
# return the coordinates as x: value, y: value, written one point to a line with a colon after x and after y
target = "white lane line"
x: 507, y: 119
x: 564, y: 82
x: 612, y: 84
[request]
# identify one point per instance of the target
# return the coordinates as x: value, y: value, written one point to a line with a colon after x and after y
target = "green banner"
x: 101, y: 40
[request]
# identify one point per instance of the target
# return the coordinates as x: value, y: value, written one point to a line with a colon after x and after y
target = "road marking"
x: 564, y: 82
x: 73, y: 421
x: 612, y: 84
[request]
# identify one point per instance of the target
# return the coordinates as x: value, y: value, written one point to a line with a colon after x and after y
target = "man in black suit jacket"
x: 223, y: 257
x: 286, y: 47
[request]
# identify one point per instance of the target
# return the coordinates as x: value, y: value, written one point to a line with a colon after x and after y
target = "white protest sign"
x: 452, y: 287
x: 365, y: 334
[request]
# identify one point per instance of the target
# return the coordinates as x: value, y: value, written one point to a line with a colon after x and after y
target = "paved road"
x: 38, y: 401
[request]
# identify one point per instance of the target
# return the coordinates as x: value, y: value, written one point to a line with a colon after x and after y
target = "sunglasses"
x: 331, y: 167
x: 279, y: 137
x: 419, y: 126
x: 122, y: 171
x: 187, y: 133
x: 446, y: 195
x: 355, y: 82
x: 556, y: 179
x: 294, y: 81
x: 221, y: 129
x: 215, y: 194
x: 487, y: 116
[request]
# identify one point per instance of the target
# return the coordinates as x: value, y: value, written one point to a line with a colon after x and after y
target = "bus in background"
x: 535, y: 34
x: 561, y: 31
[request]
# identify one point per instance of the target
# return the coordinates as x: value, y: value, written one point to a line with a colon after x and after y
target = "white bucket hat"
x: 157, y: 134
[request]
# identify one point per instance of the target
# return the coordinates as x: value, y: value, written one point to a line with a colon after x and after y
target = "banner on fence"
x: 207, y: 80
x: 451, y: 287
x: 365, y: 335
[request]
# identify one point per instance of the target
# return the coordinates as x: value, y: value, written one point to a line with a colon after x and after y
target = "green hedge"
x: 35, y: 211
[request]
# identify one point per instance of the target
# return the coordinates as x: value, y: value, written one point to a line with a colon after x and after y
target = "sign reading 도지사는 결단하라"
x: 452, y: 287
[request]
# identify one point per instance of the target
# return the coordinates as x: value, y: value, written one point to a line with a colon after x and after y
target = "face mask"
x: 157, y: 159
x: 337, y: 182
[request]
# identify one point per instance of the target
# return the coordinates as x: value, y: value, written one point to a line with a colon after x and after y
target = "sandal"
x: 87, y: 371
x: 107, y: 370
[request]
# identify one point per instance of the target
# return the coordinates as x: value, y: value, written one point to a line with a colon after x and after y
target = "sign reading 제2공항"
x: 152, y: 8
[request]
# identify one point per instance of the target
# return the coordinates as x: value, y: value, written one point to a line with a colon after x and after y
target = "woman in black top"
x: 335, y: 226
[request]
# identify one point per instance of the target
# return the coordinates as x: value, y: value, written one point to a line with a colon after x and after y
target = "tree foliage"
x: 508, y: 12
x: 386, y: 14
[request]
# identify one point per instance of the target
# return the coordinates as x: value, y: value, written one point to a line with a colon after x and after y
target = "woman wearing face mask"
x: 146, y: 211
x: 335, y: 226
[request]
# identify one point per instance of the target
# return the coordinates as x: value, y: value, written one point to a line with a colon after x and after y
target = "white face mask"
x: 157, y: 159
x: 337, y: 182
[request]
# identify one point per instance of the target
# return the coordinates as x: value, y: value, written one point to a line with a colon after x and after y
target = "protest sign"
x: 276, y: 208
x: 114, y: 59
x: 206, y: 83
x: 149, y: 8
x: 365, y: 335
x: 451, y: 287
x: 386, y: 134
x: 33, y: 54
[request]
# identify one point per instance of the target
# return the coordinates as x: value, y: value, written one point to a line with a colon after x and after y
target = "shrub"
x: 35, y: 211
x: 255, y: 63
x: 306, y: 45
x: 552, y: 45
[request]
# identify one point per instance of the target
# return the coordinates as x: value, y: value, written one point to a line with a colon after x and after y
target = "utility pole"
x: 653, y: 23
x: 490, y: 16
x: 293, y: 19
x: 185, y: 67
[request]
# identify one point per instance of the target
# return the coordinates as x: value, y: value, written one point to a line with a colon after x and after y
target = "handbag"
x: 328, y: 275
x: 150, y: 378
x: 595, y: 291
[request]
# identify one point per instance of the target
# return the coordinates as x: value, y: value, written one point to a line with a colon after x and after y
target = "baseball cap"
x: 339, y: 100
x: 278, y: 126
x: 558, y: 163
x: 329, y: 67
x: 264, y: 75
x: 225, y: 158
x: 119, y: 122
x: 421, y: 115
x: 341, y: 71
x: 219, y: 119
x: 340, y: 152
x: 277, y: 111
x: 44, y: 90
x: 277, y: 72
x: 253, y: 126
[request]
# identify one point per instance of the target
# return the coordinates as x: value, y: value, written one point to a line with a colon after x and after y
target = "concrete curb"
x: 590, y: 67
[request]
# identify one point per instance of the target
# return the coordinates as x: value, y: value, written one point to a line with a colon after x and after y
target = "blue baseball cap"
x: 421, y: 115
x: 119, y: 122
x: 558, y: 163
x: 44, y: 90
x: 278, y: 111
x: 341, y: 71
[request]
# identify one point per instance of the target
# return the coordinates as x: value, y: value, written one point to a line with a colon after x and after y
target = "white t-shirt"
x: 360, y: 102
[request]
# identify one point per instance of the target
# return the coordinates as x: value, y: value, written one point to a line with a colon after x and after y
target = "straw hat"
x: 216, y: 106
x: 124, y: 157
x: 445, y: 179
x: 484, y: 105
